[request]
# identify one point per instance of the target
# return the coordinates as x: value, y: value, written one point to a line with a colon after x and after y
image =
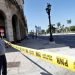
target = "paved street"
x: 68, y: 40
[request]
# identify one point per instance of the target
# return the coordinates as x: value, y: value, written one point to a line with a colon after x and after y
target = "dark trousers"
x: 3, y: 65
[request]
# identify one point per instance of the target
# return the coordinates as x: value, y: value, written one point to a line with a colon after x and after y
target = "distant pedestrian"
x: 3, y: 62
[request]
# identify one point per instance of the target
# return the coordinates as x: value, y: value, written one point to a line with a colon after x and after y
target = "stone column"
x: 9, y: 29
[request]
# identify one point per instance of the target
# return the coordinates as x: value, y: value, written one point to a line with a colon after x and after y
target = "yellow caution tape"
x: 64, y: 61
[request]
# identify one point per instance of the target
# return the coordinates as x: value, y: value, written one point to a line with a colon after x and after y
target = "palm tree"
x: 58, y: 26
x: 62, y: 28
x: 69, y: 22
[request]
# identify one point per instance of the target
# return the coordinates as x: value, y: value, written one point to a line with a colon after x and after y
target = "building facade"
x: 12, y: 19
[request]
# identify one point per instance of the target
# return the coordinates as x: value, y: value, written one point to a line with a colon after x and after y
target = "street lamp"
x: 48, y: 9
x: 36, y: 30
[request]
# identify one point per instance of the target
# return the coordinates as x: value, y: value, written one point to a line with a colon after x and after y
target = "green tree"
x: 72, y: 28
x: 62, y: 28
x: 58, y: 26
x: 42, y: 31
x: 66, y: 29
x: 69, y: 22
x: 53, y: 29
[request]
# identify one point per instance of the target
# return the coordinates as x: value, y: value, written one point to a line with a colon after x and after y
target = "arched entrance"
x: 2, y: 22
x: 14, y: 25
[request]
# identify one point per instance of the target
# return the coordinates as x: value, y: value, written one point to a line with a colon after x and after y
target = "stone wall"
x: 11, y: 15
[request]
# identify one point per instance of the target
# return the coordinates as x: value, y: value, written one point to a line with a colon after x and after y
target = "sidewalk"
x: 19, y: 64
x: 29, y: 65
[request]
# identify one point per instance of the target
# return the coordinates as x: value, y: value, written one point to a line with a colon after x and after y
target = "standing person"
x: 3, y: 62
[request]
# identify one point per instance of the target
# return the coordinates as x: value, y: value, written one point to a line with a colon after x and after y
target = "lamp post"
x: 48, y: 10
x: 36, y: 30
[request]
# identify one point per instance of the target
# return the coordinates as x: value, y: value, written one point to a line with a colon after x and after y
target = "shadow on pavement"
x: 42, y: 73
x: 10, y: 49
x: 36, y: 44
x: 68, y: 40
x: 40, y: 44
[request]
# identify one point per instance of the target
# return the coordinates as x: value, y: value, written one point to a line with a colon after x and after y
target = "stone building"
x: 12, y: 19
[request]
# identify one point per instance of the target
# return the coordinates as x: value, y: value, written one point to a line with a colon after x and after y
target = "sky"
x: 61, y: 11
